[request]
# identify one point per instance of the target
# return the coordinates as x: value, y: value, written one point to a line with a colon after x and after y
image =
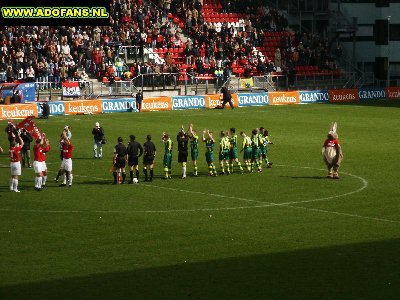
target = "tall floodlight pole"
x: 388, y: 59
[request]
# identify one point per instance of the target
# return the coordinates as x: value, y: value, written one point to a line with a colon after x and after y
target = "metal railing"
x: 51, y: 90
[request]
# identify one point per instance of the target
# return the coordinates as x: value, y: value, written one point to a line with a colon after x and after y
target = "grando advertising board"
x: 321, y: 96
x: 188, y: 102
x: 119, y: 105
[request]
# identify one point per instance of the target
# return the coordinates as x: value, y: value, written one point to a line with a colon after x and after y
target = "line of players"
x: 254, y: 148
x: 41, y: 147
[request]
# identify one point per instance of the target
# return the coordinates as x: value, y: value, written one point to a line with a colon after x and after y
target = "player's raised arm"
x: 204, y: 135
x: 21, y: 142
x: 210, y: 135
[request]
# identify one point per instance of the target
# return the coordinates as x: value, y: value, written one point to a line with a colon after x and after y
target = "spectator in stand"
x: 30, y: 74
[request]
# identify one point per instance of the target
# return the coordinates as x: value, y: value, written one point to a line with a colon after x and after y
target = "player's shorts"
x: 133, y: 161
x: 120, y: 163
x: 39, y: 166
x: 15, y: 168
x: 148, y: 160
x: 167, y: 160
x: 224, y: 155
x: 255, y: 153
x: 248, y: 153
x: 210, y: 157
x: 67, y: 164
x: 233, y: 153
x: 263, y: 151
x: 182, y: 157
x: 194, y: 154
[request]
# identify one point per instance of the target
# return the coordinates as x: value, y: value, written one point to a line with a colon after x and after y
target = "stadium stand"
x: 210, y: 38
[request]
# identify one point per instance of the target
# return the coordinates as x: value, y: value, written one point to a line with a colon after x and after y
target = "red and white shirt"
x: 331, y: 143
x: 39, y: 152
x: 15, y: 153
x: 67, y: 150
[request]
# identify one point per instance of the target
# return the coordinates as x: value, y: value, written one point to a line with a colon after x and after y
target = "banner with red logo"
x: 344, y: 95
x: 393, y: 93
x: 30, y: 126
x: 71, y: 89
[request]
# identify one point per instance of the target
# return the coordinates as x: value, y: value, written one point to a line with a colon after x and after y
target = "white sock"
x: 39, y: 182
x: 36, y: 182
x: 70, y: 179
x: 65, y: 179
x: 44, y: 179
x: 11, y: 184
x: 184, y: 171
x: 15, y: 184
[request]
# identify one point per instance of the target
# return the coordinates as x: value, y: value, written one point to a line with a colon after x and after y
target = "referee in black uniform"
x: 119, y: 161
x: 183, y: 141
x: 226, y: 97
x: 134, y: 150
x: 149, y: 152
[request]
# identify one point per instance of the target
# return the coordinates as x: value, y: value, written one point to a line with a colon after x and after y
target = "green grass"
x: 286, y: 233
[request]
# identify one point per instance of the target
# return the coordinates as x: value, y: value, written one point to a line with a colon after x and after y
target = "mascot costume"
x: 332, y: 152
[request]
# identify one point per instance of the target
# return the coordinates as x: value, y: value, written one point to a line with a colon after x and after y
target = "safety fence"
x: 97, y: 106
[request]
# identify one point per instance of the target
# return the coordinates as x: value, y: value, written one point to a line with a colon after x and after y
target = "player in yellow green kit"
x: 194, y: 147
x: 209, y: 140
x: 233, y: 151
x: 224, y: 152
x: 247, y: 149
x: 261, y: 141
x: 167, y: 155
x: 265, y: 154
x: 255, y: 144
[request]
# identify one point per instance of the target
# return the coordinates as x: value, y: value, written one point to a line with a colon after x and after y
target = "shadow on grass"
x: 355, y: 271
x: 305, y: 177
x: 377, y: 103
x: 94, y: 182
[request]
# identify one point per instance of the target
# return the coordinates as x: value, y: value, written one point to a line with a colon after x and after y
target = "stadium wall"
x: 98, y: 106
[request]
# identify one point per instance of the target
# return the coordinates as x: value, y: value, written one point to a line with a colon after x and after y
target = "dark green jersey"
x: 209, y: 145
x: 168, y: 146
x: 233, y: 141
x: 194, y: 142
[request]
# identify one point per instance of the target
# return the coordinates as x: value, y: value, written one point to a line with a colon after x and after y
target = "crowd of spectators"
x: 51, y: 55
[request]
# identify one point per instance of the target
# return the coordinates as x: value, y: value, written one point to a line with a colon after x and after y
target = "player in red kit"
x: 39, y: 150
x: 15, y: 157
x: 66, y: 164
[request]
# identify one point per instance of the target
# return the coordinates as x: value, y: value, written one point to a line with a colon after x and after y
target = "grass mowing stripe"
x: 342, y: 214
x: 265, y: 204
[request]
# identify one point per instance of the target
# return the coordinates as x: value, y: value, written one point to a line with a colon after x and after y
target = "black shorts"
x: 133, y: 161
x: 120, y: 163
x: 182, y: 157
x: 148, y: 160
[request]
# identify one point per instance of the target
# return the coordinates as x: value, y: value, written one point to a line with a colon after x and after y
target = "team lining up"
x: 41, y: 147
x: 254, y: 148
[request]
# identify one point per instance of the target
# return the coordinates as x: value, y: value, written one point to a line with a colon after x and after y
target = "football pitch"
x: 285, y: 233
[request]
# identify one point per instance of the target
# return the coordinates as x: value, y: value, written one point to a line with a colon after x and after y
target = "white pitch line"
x: 265, y: 204
x: 342, y: 214
x: 365, y: 184
x: 363, y: 180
